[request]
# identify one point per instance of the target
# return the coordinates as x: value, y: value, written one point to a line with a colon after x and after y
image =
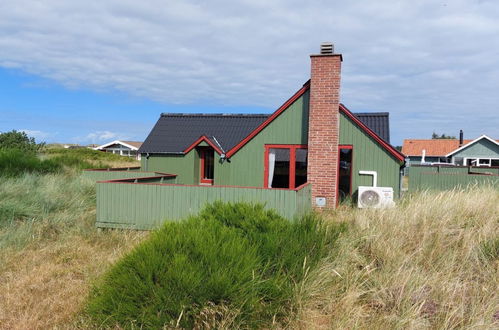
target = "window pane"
x: 301, y: 167
x: 280, y: 179
x: 345, y: 173
x: 483, y: 161
x: 495, y: 162
x: 471, y: 162
x: 208, y: 164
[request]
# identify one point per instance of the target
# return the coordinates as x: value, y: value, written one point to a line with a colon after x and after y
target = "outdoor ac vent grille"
x: 375, y: 197
x: 327, y: 48
x: 369, y: 198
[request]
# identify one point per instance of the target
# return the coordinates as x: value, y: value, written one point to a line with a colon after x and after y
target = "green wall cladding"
x: 246, y: 167
x: 186, y: 167
x: 368, y: 155
x: 449, y: 177
x: 482, y: 148
x: 146, y: 206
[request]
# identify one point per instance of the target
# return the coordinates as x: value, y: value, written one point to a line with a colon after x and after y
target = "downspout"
x: 401, y: 177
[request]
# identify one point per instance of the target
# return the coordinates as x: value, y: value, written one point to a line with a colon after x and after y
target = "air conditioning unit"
x: 375, y: 197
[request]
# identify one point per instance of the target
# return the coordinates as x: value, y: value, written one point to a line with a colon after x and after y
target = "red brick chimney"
x: 324, y: 126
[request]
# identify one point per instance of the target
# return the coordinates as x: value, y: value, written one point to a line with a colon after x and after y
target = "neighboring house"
x: 122, y: 148
x: 311, y: 138
x: 482, y: 151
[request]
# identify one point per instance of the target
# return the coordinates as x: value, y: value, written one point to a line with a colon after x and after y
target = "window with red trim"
x: 285, y: 166
x: 345, y: 163
x: 207, y: 164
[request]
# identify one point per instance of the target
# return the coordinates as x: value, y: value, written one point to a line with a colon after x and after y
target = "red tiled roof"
x: 433, y: 147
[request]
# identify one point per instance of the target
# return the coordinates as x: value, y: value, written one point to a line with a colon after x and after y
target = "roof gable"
x: 228, y: 133
x: 467, y: 145
x: 388, y: 147
x: 134, y: 145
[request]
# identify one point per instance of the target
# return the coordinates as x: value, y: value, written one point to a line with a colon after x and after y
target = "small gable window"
x: 207, y: 164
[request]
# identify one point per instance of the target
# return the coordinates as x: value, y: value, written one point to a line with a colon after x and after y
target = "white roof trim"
x: 116, y: 142
x: 470, y: 143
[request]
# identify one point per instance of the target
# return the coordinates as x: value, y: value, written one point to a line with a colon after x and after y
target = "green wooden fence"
x: 449, y: 177
x: 145, y: 205
x: 118, y: 173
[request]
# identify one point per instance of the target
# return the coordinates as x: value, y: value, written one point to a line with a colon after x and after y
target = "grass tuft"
x: 235, y: 262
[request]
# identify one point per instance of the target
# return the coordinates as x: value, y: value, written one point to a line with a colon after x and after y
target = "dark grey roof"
x: 377, y: 122
x: 175, y: 132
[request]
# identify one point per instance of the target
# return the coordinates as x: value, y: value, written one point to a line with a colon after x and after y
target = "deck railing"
x: 117, y: 173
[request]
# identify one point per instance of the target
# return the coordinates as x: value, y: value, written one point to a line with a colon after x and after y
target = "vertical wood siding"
x: 368, y: 155
x: 246, y: 167
x: 444, y: 178
x: 482, y: 148
x: 186, y: 167
x: 146, y: 206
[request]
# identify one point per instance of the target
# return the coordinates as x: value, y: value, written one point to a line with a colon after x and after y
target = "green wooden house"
x: 312, y: 138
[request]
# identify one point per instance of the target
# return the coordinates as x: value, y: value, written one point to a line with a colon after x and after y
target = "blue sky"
x: 82, y: 72
x: 54, y: 113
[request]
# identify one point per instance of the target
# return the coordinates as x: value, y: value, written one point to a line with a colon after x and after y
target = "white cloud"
x: 39, y: 136
x: 101, y: 136
x: 405, y: 57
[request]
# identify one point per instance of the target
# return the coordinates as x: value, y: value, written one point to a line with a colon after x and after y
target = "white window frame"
x: 478, y: 159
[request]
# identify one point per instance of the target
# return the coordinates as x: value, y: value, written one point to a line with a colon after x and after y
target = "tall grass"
x: 88, y: 154
x: 50, y: 249
x: 237, y: 258
x: 431, y: 262
x: 14, y: 162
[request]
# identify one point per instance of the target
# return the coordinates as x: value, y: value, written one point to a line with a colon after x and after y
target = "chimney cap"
x: 327, y: 48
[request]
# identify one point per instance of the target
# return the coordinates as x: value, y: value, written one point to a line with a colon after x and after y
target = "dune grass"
x: 430, y: 263
x: 50, y: 250
x: 14, y: 162
x: 239, y: 258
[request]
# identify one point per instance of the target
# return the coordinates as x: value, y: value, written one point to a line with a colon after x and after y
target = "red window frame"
x: 202, y: 156
x: 292, y: 162
x: 348, y: 147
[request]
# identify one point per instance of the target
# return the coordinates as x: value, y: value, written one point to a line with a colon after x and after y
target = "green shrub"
x: 240, y: 256
x: 14, y: 162
x: 20, y: 141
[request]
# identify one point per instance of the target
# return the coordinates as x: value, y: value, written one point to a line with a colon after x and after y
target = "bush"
x: 235, y: 256
x: 14, y: 162
x: 20, y: 141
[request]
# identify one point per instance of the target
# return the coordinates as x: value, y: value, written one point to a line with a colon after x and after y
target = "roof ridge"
x: 179, y: 114
x: 377, y: 113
